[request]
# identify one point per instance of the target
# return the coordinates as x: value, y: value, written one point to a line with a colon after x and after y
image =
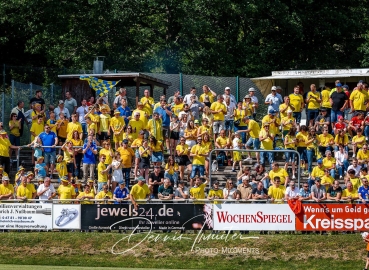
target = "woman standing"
x: 157, y: 156
x: 183, y: 152
x: 239, y: 115
x: 191, y: 134
x: 69, y: 157
x: 145, y: 152
x: 78, y: 153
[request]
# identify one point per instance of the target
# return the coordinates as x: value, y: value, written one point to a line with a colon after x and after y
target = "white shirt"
x: 357, y: 169
x: 58, y: 110
x: 47, y: 193
x: 230, y: 111
x: 187, y: 99
x: 235, y: 143
x: 230, y: 193
x: 292, y: 192
x: 82, y: 111
x: 254, y: 100
x: 117, y: 175
x: 232, y: 98
x: 339, y: 156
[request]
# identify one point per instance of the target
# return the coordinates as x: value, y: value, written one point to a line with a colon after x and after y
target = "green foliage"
x: 208, y: 37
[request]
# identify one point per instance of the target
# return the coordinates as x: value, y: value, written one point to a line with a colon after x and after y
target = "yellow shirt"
x: 26, y: 191
x: 289, y: 120
x: 128, y: 137
x: 148, y: 106
x: 77, y: 142
x: 296, y: 101
x: 207, y: 145
x: 37, y: 129
x: 360, y: 141
x: 276, y: 193
x: 117, y: 123
x: 216, y: 193
x: 198, y: 149
x: 327, y: 179
x: 203, y: 129
x: 140, y: 193
x: 66, y: 192
x: 137, y: 143
x: 198, y: 192
x: 137, y: 126
x: 318, y: 172
x: 254, y: 129
x: 126, y: 156
x: 358, y: 99
x: 183, y: 148
x: 143, y: 116
x: 71, y: 127
x: 104, y: 122
x: 239, y: 115
x: 62, y: 131
x: 281, y: 173
x: 86, y: 201
x: 93, y: 126
x: 68, y: 156
x: 34, y: 113
x: 5, y: 190
x: 328, y: 163
x: 266, y: 144
x: 325, y: 140
x: 326, y: 94
x: 100, y: 176
x: 301, y: 139
x: 216, y: 106
x: 102, y: 194
x: 106, y: 152
x: 4, y: 147
x: 61, y: 168
x: 177, y: 108
x: 313, y: 104
x: 284, y: 113
x: 157, y: 147
x: 52, y: 126
x: 311, y: 145
x: 356, y: 183
x: 15, y: 129
x: 209, y: 94
x: 157, y: 130
x: 171, y: 168
x: 222, y: 141
x: 342, y: 140
x: 192, y: 133
x: 248, y: 108
x: 289, y: 139
x: 273, y: 127
x: 142, y: 150
x: 362, y: 156
x: 353, y: 193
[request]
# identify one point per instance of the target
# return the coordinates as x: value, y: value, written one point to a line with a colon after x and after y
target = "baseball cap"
x: 5, y: 178
x: 361, y: 81
x: 247, y: 96
x: 252, y: 89
x: 319, y: 161
x: 59, y: 157
x: 272, y: 111
x: 274, y: 88
x: 278, y: 87
x: 227, y: 88
x: 345, y: 86
x: 29, y: 173
x: 140, y: 178
x: 339, y: 84
x: 61, y: 102
x: 323, y: 109
x: 20, y: 168
x: 137, y: 113
x: 65, y: 179
x: 122, y: 183
x: 116, y: 112
x: 125, y: 141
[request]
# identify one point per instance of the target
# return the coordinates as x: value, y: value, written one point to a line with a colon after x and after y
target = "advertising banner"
x: 167, y: 216
x: 25, y: 216
x: 253, y: 217
x: 67, y: 216
x: 333, y: 217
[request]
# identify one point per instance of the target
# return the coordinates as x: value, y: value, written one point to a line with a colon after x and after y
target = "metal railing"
x: 257, y: 151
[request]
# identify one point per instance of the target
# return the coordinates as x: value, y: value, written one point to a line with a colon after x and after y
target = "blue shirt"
x: 364, y: 192
x: 125, y: 112
x: 121, y: 193
x: 164, y: 116
x: 89, y: 157
x: 304, y: 193
x: 41, y: 169
x: 277, y: 100
x: 48, y: 140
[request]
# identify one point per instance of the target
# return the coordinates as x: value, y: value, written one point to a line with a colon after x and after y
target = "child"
x: 117, y: 124
x: 19, y: 175
x: 104, y: 131
x: 40, y: 168
x: 37, y: 152
x: 37, y: 127
x: 61, y: 167
x: 237, y: 144
x: 52, y: 122
x: 340, y: 125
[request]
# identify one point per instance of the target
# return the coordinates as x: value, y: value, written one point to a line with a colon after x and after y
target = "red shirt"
x: 356, y: 121
x: 339, y: 125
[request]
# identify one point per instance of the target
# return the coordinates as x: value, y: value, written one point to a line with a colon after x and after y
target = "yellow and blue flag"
x: 101, y: 87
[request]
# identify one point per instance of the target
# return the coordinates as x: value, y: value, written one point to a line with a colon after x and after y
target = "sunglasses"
x: 306, y: 186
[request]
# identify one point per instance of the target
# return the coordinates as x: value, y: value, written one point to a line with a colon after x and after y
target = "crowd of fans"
x: 96, y: 147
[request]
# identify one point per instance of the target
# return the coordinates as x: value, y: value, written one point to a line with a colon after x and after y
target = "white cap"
x: 227, y: 88
x: 252, y: 89
x: 274, y: 88
x: 278, y: 87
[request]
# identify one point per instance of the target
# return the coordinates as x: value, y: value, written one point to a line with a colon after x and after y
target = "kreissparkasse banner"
x: 168, y: 216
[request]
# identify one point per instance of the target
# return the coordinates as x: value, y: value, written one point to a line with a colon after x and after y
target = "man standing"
x: 280, y: 172
x: 313, y: 101
x: 359, y: 99
x: 139, y: 191
x: 165, y: 113
x: 219, y: 110
x: 338, y: 102
x: 254, y: 101
x: 148, y: 102
x: 253, y: 129
x: 49, y: 138
x: 62, y: 109
x: 266, y: 138
x: 46, y: 191
x: 89, y: 151
x: 297, y: 101
x: 70, y: 103
x: 229, y: 117
x: 118, y: 100
x: 195, y: 107
x: 74, y: 126
x: 38, y: 99
x: 170, y: 99
x: 227, y: 92
x: 124, y: 110
x: 187, y: 98
x: 273, y: 100
x: 5, y: 146
x: 127, y: 155
x: 81, y: 112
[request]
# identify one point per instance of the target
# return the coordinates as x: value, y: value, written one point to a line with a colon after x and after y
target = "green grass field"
x: 47, y: 250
